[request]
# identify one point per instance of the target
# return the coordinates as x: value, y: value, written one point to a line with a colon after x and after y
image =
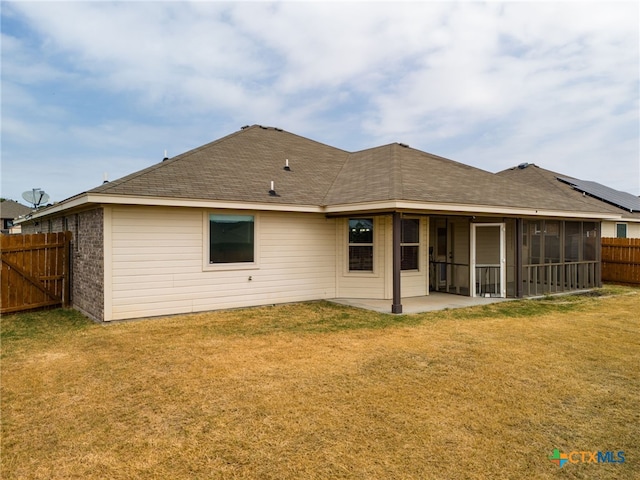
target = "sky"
x: 95, y: 88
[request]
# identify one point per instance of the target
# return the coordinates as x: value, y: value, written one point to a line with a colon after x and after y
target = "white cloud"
x: 485, y: 83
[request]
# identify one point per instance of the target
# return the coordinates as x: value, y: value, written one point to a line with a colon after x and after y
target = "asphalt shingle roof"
x: 547, y: 181
x: 11, y: 209
x: 240, y: 167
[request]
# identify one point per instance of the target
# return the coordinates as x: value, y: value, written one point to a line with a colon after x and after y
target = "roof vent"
x: 277, y: 129
x: 272, y: 190
x: 165, y: 158
x: 263, y: 127
x: 105, y: 178
x: 403, y: 145
x: 286, y: 165
x: 522, y: 166
x: 244, y: 128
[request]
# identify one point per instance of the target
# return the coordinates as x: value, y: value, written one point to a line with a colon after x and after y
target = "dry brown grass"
x: 325, y: 391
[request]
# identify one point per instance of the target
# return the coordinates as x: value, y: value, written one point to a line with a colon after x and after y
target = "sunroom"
x: 512, y: 257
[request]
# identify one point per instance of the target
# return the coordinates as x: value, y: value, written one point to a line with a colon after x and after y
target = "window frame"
x: 348, y: 244
x: 206, y: 242
x: 411, y: 244
x: 626, y: 230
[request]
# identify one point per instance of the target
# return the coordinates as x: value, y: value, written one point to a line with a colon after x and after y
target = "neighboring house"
x: 263, y: 216
x: 591, y: 193
x: 9, y: 211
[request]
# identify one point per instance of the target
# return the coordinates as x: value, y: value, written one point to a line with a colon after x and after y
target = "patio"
x: 433, y: 301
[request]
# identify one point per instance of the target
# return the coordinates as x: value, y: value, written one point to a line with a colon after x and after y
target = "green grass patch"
x: 42, y: 324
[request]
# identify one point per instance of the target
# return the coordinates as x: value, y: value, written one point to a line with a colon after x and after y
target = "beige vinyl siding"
x: 633, y: 230
x: 609, y: 229
x: 157, y: 262
x: 360, y: 284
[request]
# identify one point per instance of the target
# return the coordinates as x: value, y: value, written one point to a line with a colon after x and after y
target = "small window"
x: 621, y: 230
x: 361, y: 244
x: 231, y: 239
x: 410, y: 244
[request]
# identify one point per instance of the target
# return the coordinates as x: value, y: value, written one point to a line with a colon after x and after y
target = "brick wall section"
x: 87, y: 281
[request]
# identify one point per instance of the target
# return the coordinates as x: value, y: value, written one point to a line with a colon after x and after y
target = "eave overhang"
x: 87, y: 199
x: 465, y: 209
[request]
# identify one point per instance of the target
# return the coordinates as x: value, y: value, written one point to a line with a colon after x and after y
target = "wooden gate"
x: 35, y: 271
x: 621, y: 260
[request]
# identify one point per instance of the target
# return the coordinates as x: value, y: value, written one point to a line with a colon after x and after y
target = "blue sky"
x: 95, y: 87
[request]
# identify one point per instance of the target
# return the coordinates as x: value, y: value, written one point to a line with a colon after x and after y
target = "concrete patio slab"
x: 433, y: 301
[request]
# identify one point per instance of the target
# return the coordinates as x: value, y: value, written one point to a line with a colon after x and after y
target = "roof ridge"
x: 349, y: 156
x: 305, y: 138
x: 396, y: 187
x: 556, y: 184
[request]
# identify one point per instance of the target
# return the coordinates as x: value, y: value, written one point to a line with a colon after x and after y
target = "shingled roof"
x: 241, y: 166
x: 545, y: 180
x: 10, y: 209
x: 397, y: 172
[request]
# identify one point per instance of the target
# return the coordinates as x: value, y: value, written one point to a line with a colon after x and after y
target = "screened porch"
x: 559, y: 256
x: 512, y: 257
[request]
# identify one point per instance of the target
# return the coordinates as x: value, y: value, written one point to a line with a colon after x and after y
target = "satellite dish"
x: 36, y: 197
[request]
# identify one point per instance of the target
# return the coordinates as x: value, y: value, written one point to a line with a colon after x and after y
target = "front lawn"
x: 318, y: 390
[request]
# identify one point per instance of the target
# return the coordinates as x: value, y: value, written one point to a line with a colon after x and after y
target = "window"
x: 621, y: 230
x: 361, y: 244
x: 410, y: 244
x: 231, y: 239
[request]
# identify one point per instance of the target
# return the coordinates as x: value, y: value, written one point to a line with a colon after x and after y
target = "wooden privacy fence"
x: 621, y: 260
x: 35, y: 271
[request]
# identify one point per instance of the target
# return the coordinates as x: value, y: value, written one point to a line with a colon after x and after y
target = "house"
x: 592, y: 193
x: 9, y: 211
x: 264, y: 216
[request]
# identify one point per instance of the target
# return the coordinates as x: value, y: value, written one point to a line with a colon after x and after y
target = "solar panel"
x: 614, y: 197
